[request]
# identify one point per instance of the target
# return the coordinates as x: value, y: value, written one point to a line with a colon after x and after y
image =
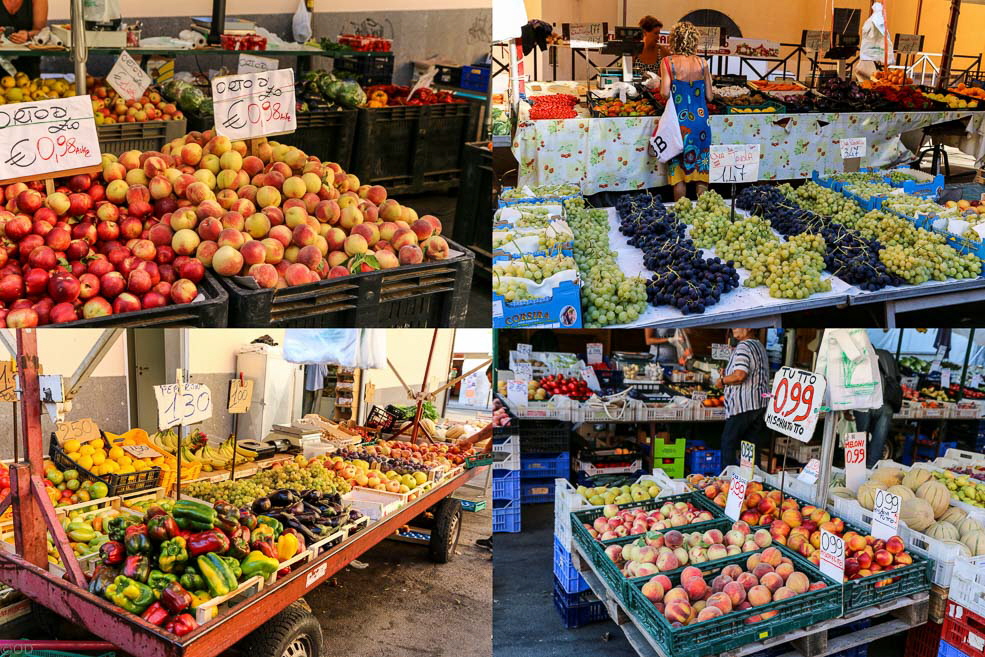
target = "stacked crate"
x: 668, y: 455
x: 963, y: 630
x: 544, y: 456
x: 506, y: 482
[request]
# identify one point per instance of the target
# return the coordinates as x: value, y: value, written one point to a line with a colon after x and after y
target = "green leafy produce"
x: 408, y: 412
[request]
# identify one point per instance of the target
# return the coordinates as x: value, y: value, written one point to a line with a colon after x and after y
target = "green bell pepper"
x: 273, y: 523
x: 256, y: 563
x: 233, y: 564
x: 194, y: 516
x: 130, y: 594
x: 191, y: 579
x: 116, y: 527
x: 217, y: 574
x: 136, y: 540
x: 158, y: 580
x: 173, y: 555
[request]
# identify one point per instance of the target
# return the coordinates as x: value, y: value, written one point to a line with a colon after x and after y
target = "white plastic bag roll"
x: 195, y: 38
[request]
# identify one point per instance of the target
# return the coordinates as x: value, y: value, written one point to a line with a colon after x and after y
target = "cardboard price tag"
x: 699, y: 395
x: 586, y: 35
x: 945, y: 378
x: 747, y: 454
x: 8, y: 381
x: 855, y: 446
x: 885, y: 515
x: 524, y: 350
x: 736, y: 495
x: 141, y: 451
x: 721, y: 352
x: 240, y: 395
x: 734, y: 163
x: 524, y: 371
x: 795, y: 403
x: 183, y: 405
x: 47, y: 138
x: 127, y: 78
x: 810, y: 472
x: 591, y: 380
x: 82, y: 430
x: 832, y: 559
x: 817, y: 40
x: 516, y: 392
x: 254, y: 104
x: 709, y: 38
x: 908, y: 43
x: 255, y: 64
x: 593, y: 352
x: 852, y: 147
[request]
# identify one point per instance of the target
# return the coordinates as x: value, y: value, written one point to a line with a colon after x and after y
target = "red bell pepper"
x: 181, y: 624
x: 175, y: 598
x: 211, y: 540
x: 155, y: 614
x: 112, y: 553
x: 266, y: 547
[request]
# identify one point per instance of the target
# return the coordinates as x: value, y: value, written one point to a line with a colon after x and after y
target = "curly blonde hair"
x: 684, y: 39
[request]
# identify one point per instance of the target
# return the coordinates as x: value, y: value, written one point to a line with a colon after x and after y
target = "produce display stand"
x: 276, y: 606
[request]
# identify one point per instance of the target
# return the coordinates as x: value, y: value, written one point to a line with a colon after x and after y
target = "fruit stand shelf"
x: 135, y: 636
x: 901, y: 614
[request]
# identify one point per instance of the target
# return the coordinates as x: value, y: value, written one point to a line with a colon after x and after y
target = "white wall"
x: 213, y: 351
x: 61, y: 351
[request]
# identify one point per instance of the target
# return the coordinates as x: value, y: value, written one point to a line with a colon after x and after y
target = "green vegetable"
x: 173, y: 555
x: 158, y: 580
x: 194, y: 516
x: 191, y: 579
x: 256, y: 563
x: 130, y: 594
x: 217, y: 574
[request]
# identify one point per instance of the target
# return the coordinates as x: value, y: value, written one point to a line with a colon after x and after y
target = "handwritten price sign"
x: 184, y: 405
x: 855, y: 459
x: 885, y: 515
x: 734, y: 163
x: 41, y: 139
x: 82, y: 430
x: 852, y: 147
x: 816, y: 39
x: 254, y: 104
x: 832, y: 560
x: 516, y: 392
x: 747, y: 453
x: 255, y: 64
x: 128, y: 78
x: 721, y: 352
x: 240, y: 395
x: 8, y: 381
x: 796, y: 402
x: 736, y: 494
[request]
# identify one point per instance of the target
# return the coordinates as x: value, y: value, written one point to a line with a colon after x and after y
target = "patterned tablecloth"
x: 609, y: 154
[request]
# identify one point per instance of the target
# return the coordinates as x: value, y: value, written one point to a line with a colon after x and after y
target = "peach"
x: 772, y: 581
x: 784, y: 570
x: 798, y: 582
x: 883, y: 558
x: 667, y: 561
x: 713, y: 536
x: 264, y: 274
x: 673, y: 539
x: 253, y: 252
x: 676, y: 593
x: 772, y: 556
x: 759, y: 595
x: 761, y: 570
x: 268, y: 196
x: 720, y: 600
x: 678, y: 611
x: 409, y: 255
x: 783, y: 593
x: 689, y: 573
x: 696, y: 588
x: 294, y: 187
x: 355, y: 245
x: 231, y: 237
x: 762, y: 538
x: 185, y: 242
x: 403, y: 237
x: 736, y: 593
x: 434, y: 221
x: 205, y: 252
x: 718, y: 584
x: 653, y: 590
x: 750, y: 517
x: 717, y: 551
x: 350, y: 217
x: 895, y: 545
x: 734, y: 537
x: 903, y: 559
x: 372, y: 235
x: 387, y: 259
x: 227, y: 261
x: 732, y: 570
x: 752, y: 561
x: 707, y: 614
x: 297, y: 274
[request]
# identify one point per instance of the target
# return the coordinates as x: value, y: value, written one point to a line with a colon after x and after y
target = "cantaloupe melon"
x: 901, y: 490
x: 915, y: 477
x: 943, y: 531
x: 936, y: 494
x: 866, y: 494
x: 962, y: 548
x: 968, y: 525
x: 954, y: 515
x: 975, y: 542
x: 841, y: 491
x: 917, y: 514
x: 887, y: 476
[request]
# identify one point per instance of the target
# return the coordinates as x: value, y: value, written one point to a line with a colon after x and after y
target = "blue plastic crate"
x: 475, y: 78
x: 545, y: 465
x: 506, y: 516
x: 577, y: 614
x: 506, y: 484
x: 704, y: 461
x: 537, y: 491
x: 947, y: 650
x: 565, y: 572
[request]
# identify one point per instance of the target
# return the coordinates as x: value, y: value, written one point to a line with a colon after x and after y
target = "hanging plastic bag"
x: 372, y: 349
x: 301, y: 23
x: 849, y: 364
x: 322, y: 346
x: 666, y: 141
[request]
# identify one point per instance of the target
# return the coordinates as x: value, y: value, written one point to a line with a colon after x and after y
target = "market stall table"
x: 610, y: 154
x: 138, y: 637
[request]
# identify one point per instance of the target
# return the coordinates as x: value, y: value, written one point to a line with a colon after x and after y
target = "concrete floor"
x: 403, y: 605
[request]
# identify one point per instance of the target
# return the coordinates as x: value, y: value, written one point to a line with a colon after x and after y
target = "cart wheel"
x: 447, y: 530
x: 294, y: 632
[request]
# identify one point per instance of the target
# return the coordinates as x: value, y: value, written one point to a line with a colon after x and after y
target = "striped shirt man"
x: 750, y: 357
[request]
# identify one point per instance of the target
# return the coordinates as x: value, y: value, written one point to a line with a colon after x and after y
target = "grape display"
x: 533, y: 267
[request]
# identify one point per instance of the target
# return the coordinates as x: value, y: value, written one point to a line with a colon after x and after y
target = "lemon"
x: 116, y: 453
x: 98, y: 458
x: 125, y: 460
x: 71, y: 446
x: 74, y: 456
x: 87, y: 450
x: 420, y: 478
x: 127, y: 469
x: 97, y: 443
x: 85, y: 461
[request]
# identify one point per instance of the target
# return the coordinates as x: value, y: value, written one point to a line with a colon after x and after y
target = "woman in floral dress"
x: 687, y: 78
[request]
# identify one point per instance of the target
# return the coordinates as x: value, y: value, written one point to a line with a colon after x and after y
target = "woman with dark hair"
x: 653, y: 52
x: 686, y: 75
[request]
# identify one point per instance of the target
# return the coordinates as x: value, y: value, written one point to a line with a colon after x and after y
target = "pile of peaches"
x: 768, y: 577
x: 616, y: 522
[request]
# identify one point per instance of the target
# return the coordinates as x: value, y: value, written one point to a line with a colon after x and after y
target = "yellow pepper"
x: 287, y: 546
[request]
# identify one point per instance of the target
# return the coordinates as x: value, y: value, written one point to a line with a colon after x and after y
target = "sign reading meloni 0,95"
x: 254, y: 104
x: 46, y: 138
x: 795, y: 403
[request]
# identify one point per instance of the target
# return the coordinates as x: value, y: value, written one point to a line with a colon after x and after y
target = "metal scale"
x: 284, y: 438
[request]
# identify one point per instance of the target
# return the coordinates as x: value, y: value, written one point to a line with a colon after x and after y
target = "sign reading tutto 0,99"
x: 44, y: 138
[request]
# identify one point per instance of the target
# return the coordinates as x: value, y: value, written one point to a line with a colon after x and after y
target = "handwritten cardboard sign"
x: 127, y: 78
x: 254, y: 104
x: 734, y: 163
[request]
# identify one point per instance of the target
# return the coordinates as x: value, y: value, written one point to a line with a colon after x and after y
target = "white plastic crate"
x: 549, y: 410
x: 664, y: 412
x: 591, y: 470
x: 506, y: 455
x: 966, y: 410
x: 968, y: 584
x: 701, y: 413
x: 792, y: 485
x: 610, y: 412
x: 797, y: 450
x: 943, y: 556
x: 374, y: 504
x: 962, y: 457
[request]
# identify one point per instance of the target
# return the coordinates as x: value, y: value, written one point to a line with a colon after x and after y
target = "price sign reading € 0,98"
x: 736, y: 495
x: 795, y: 403
x: 45, y: 137
x: 254, y: 104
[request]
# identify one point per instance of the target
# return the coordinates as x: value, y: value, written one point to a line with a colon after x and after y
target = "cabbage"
x: 350, y: 94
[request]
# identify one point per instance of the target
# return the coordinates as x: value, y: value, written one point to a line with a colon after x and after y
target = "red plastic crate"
x: 964, y: 630
x: 923, y: 641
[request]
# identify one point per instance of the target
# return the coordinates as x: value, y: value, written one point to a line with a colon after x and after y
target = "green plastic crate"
x: 674, y: 469
x: 665, y: 450
x: 731, y: 631
x: 697, y: 499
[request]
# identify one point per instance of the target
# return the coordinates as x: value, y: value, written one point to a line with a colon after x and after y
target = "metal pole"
x: 899, y: 343
x: 13, y: 420
x: 232, y: 469
x: 218, y: 22
x: 916, y: 25
x: 80, y: 51
x: 948, y: 53
x: 182, y: 377
x: 827, y: 454
x: 967, y: 356
x: 424, y: 386
x: 29, y: 526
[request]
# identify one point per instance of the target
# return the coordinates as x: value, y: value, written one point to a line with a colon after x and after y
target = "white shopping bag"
x: 666, y: 141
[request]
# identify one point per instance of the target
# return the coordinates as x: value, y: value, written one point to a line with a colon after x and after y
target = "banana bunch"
x: 212, y: 458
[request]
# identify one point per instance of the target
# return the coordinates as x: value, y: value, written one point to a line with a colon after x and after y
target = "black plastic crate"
x: 326, y: 133
x: 382, y: 419
x: 431, y: 294
x: 449, y: 76
x: 210, y: 313
x: 413, y: 148
x: 117, y: 138
x: 369, y: 70
x: 117, y: 484
x: 544, y: 436
x: 473, y: 210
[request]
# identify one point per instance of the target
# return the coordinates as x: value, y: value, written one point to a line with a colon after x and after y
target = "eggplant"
x: 311, y: 508
x: 283, y: 497
x: 296, y: 508
x: 262, y: 505
x: 355, y: 515
x: 308, y: 518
